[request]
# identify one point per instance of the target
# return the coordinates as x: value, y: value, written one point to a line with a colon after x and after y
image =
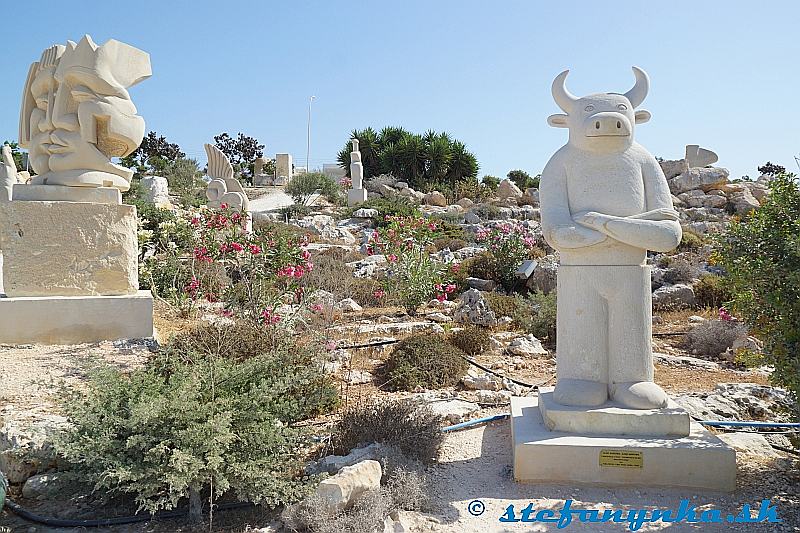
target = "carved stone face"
x: 77, y: 114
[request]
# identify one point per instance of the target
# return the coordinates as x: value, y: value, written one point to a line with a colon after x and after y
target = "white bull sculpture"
x: 604, y: 203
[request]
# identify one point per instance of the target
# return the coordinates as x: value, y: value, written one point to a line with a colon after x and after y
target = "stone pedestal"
x: 262, y: 180
x: 75, y: 319
x: 61, y: 193
x: 698, y: 460
x: 283, y: 167
x: 68, y: 249
x: 356, y: 196
x: 613, y: 419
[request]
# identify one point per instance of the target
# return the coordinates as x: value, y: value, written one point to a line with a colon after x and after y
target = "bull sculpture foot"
x: 580, y: 392
x: 639, y: 395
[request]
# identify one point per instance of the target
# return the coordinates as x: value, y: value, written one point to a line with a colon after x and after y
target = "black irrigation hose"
x: 101, y: 522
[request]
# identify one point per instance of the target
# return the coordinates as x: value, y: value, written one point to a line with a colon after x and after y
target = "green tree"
x: 19, y: 156
x: 153, y: 155
x: 491, y: 181
x: 522, y: 179
x: 302, y: 187
x: 428, y: 161
x: 242, y: 151
x: 761, y: 255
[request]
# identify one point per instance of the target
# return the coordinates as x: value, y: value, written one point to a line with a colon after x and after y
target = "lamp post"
x: 308, y: 135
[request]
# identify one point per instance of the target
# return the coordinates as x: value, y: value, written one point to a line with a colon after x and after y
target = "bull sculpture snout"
x: 607, y: 124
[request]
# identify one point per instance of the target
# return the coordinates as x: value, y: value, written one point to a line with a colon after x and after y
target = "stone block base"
x: 68, y: 248
x: 356, y: 196
x: 262, y: 180
x: 697, y: 461
x: 75, y: 319
x: 611, y: 419
x: 61, y: 193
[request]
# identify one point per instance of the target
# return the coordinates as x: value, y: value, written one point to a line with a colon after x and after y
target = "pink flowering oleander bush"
x: 412, y: 276
x: 509, y: 243
x: 253, y: 273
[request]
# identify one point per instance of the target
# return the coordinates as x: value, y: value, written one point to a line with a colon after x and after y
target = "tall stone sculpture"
x: 604, y: 203
x: 77, y: 115
x: 70, y: 253
x: 357, y: 193
x: 223, y: 187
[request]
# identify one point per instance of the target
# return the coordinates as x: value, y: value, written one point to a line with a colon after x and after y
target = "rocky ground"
x: 475, y: 463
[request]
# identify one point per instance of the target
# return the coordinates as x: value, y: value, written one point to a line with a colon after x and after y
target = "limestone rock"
x: 25, y: 445
x: 674, y: 167
x: 486, y: 285
x: 474, y: 309
x: 484, y: 381
x: 37, y: 487
x: 333, y: 463
x: 69, y: 249
x: 699, y: 178
x: 436, y: 198
x: 454, y: 411
x: 749, y: 443
x: 673, y: 296
x: 341, y: 491
x: 156, y: 191
x: 508, y: 190
x: 528, y: 345
x: 743, y: 201
x: 544, y: 277
x: 349, y: 305
x: 466, y: 203
x: 365, y: 213
x: 698, y: 198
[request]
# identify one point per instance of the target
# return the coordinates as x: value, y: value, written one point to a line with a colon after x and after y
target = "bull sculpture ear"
x: 641, y: 116
x: 558, y: 120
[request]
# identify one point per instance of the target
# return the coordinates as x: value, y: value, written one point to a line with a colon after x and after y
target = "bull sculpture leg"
x: 630, y: 358
x: 582, y: 337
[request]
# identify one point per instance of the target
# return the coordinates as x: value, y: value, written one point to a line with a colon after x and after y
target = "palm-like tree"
x: 390, y: 135
x: 370, y: 152
x: 463, y: 164
x: 438, y: 155
x: 411, y: 152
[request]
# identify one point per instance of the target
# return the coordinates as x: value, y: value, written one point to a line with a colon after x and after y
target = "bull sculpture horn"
x: 639, y: 91
x: 561, y: 95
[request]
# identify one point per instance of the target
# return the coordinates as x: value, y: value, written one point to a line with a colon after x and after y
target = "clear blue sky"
x: 724, y: 74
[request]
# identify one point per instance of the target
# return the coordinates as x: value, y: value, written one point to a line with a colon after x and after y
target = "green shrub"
x: 711, y: 291
x: 451, y: 243
x: 415, y: 431
x: 472, y: 340
x: 690, y: 242
x: 541, y: 322
x: 332, y: 274
x: 303, y: 186
x: 761, y: 255
x: 192, y: 418
x: 514, y: 307
x: 296, y: 211
x: 426, y: 361
x: 713, y: 337
x: 396, y: 206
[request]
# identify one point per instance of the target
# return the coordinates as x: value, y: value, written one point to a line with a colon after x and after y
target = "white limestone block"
x: 341, y: 491
x: 68, y: 249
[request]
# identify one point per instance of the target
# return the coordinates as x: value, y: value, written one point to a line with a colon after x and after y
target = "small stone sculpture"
x: 604, y: 203
x: 357, y: 193
x: 697, y: 157
x: 8, y: 174
x: 77, y: 114
x: 223, y: 187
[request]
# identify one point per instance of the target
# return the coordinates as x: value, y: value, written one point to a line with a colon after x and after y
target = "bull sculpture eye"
x: 589, y: 107
x: 622, y: 107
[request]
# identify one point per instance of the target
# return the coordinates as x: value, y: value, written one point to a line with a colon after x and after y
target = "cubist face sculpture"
x: 77, y: 114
